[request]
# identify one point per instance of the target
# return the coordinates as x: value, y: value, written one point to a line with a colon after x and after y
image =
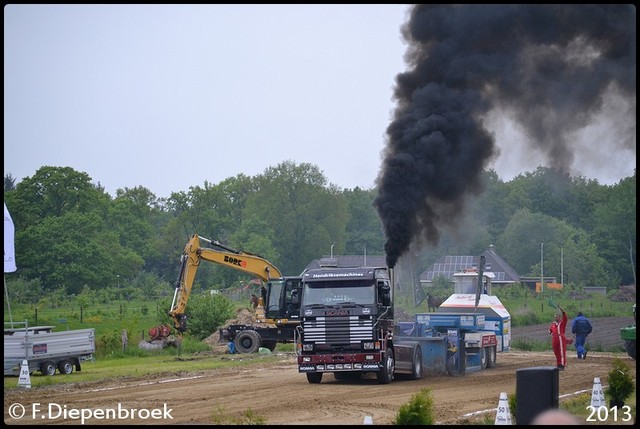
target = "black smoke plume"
x: 548, y: 66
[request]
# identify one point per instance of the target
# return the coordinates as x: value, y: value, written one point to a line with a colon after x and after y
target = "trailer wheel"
x: 247, y: 341
x: 416, y: 368
x: 65, y: 367
x: 314, y: 377
x: 491, y: 357
x: 48, y: 368
x: 385, y: 375
x: 484, y: 356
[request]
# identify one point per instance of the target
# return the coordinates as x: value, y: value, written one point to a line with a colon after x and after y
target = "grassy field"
x: 109, y: 320
x: 168, y: 361
x: 111, y: 361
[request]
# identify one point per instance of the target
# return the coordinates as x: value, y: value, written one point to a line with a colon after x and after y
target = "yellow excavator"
x: 277, y: 310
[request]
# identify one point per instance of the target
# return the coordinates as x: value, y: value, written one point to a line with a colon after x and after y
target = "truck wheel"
x: 65, y: 367
x: 484, y: 356
x: 385, y: 375
x: 491, y: 357
x: 416, y: 367
x: 247, y: 341
x: 48, y: 368
x: 314, y: 377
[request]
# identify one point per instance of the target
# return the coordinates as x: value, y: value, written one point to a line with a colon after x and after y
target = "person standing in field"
x: 558, y: 339
x: 581, y: 328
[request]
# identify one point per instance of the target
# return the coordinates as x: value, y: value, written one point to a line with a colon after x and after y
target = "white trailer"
x: 47, y: 351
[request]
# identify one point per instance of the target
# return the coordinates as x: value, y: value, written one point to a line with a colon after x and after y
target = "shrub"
x: 620, y: 383
x: 418, y: 411
x: 108, y: 342
x: 207, y: 313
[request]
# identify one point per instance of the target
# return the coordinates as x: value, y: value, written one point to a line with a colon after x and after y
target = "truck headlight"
x: 307, y: 347
x: 368, y: 346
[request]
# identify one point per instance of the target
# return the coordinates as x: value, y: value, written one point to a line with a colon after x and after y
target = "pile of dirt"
x: 625, y: 294
x: 244, y: 316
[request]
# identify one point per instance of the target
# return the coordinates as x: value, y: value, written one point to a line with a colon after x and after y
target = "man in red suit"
x: 558, y: 339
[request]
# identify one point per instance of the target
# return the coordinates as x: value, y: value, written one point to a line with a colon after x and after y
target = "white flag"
x: 9, y: 249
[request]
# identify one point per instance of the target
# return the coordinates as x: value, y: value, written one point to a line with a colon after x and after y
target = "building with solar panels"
x: 447, y: 265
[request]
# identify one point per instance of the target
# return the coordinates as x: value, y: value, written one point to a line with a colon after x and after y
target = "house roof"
x: 445, y: 266
x: 449, y: 264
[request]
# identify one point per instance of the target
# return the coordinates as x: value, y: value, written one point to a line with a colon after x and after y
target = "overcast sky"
x: 171, y: 96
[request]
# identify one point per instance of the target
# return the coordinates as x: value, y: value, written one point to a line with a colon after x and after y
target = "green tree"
x: 9, y: 182
x: 566, y: 250
x: 53, y: 192
x: 74, y: 250
x: 364, y: 229
x: 305, y: 214
x: 614, y: 229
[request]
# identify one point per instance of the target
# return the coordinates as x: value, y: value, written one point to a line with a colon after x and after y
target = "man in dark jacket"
x: 581, y: 328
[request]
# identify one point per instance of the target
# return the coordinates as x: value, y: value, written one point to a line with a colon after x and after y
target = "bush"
x: 418, y: 411
x: 109, y: 342
x: 620, y: 383
x: 207, y: 313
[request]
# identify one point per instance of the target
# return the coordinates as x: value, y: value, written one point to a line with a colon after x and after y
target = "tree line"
x: 71, y: 235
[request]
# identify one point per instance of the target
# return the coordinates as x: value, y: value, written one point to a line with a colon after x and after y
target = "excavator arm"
x: 194, y: 254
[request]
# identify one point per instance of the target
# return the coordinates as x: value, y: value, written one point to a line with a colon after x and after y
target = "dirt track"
x: 279, y: 395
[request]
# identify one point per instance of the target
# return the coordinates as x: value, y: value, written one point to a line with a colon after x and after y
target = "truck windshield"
x: 337, y: 292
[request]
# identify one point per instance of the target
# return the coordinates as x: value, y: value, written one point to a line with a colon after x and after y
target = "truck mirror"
x: 385, y: 294
x: 385, y: 288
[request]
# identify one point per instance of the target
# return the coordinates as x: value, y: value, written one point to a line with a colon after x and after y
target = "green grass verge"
x: 140, y: 366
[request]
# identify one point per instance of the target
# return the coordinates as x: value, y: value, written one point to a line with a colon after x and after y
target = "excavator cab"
x: 282, y: 301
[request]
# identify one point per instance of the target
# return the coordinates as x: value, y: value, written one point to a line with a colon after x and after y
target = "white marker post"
x: 597, y: 394
x: 24, y: 380
x: 503, y: 416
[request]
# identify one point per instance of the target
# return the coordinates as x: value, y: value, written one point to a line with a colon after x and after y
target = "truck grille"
x: 338, y: 330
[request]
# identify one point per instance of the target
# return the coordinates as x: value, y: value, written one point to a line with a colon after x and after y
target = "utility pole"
x: 541, y: 267
x: 562, y: 267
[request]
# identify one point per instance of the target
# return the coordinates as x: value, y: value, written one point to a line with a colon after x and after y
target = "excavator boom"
x: 194, y: 253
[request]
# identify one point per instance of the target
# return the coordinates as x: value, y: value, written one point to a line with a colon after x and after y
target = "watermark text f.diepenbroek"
x: 53, y: 411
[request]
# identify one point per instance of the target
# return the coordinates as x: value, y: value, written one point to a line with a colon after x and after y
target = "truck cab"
x: 347, y: 325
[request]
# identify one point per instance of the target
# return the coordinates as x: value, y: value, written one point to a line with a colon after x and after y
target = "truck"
x: 277, y: 313
x: 45, y: 350
x: 347, y: 328
x: 628, y: 336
